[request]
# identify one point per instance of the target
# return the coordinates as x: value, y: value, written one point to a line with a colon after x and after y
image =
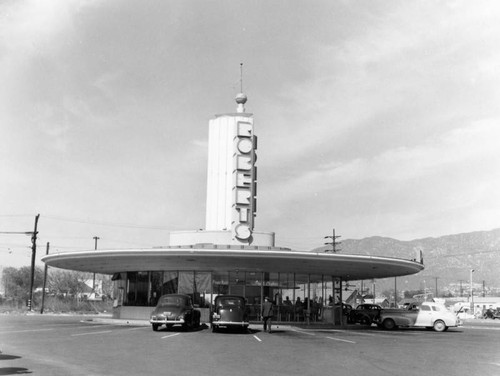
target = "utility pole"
x: 33, y: 254
x: 333, y: 242
x: 471, y: 293
x: 395, y: 292
x: 373, y: 284
x: 44, y: 280
x: 436, y: 279
x: 96, y: 238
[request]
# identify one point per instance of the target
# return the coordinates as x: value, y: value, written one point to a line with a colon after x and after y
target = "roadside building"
x: 230, y: 256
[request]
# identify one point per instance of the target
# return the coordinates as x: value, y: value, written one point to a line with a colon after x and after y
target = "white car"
x: 429, y: 315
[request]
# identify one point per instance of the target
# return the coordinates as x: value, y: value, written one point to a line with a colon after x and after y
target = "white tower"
x: 231, y: 181
x: 231, y: 186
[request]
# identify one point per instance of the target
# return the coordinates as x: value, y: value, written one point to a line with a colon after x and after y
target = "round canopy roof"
x: 347, y: 267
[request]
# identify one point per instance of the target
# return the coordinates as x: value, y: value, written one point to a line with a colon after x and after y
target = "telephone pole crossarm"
x: 333, y: 243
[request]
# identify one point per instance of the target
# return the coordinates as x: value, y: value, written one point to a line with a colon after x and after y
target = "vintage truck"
x: 427, y: 314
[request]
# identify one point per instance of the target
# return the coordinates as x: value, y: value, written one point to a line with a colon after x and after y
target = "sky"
x: 376, y: 118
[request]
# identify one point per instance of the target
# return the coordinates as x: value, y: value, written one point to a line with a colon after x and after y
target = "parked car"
x: 429, y: 315
x: 365, y: 314
x: 175, y: 309
x: 492, y: 314
x: 229, y: 311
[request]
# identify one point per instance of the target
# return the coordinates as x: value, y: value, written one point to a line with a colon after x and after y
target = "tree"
x: 66, y: 282
x: 17, y: 282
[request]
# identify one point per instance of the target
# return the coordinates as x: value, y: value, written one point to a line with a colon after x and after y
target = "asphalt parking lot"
x: 80, y: 345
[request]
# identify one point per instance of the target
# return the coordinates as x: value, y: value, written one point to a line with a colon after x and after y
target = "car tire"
x: 214, y: 329
x: 365, y: 320
x: 155, y: 327
x: 439, y: 326
x: 389, y: 324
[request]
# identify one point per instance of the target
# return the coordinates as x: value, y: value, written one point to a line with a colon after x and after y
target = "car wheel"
x: 389, y: 324
x: 214, y: 329
x: 155, y: 327
x: 439, y: 326
x: 365, y: 321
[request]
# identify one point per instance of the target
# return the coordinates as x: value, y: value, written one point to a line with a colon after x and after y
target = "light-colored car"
x: 428, y: 314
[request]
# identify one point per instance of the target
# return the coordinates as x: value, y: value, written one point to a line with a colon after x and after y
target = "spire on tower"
x: 241, y: 98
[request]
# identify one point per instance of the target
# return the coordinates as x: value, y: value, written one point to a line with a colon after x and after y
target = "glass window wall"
x: 296, y: 297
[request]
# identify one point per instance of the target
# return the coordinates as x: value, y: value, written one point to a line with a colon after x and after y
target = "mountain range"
x: 448, y: 260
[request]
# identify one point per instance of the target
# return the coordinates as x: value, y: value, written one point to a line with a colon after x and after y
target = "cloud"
x: 474, y: 147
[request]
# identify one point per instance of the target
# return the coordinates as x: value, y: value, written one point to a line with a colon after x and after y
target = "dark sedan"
x: 365, y: 314
x: 229, y: 311
x: 175, y: 309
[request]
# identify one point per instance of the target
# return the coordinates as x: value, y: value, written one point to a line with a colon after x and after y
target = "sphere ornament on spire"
x: 241, y: 99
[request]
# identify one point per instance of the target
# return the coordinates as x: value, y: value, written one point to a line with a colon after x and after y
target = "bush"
x: 57, y: 304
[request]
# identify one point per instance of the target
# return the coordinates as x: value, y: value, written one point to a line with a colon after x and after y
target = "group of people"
x: 290, y: 311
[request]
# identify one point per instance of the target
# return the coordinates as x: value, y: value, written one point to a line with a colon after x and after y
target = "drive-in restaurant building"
x: 229, y: 256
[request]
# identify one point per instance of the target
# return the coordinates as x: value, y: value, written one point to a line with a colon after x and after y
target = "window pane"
x: 156, y: 281
x: 170, y: 283
x: 186, y: 283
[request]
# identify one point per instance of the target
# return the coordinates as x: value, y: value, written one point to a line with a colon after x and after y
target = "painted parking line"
x: 170, y: 335
x: 341, y: 340
x: 257, y: 338
x: 90, y: 333
x: 24, y: 331
x: 352, y: 332
x: 302, y: 332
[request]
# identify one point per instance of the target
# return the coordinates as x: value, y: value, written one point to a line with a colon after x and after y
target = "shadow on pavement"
x: 8, y: 357
x: 14, y: 371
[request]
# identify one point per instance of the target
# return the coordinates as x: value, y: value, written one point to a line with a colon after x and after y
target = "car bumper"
x: 166, y: 321
x: 230, y: 323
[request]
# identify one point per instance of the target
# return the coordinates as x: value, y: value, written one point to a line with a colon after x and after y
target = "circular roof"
x: 198, y: 258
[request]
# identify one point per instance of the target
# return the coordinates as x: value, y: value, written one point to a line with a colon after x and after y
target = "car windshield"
x: 171, y: 301
x: 230, y: 302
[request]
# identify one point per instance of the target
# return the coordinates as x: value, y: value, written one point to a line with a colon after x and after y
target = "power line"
x: 92, y: 222
x: 16, y: 232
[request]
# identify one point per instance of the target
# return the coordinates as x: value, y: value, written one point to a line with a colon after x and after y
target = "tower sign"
x: 244, y: 182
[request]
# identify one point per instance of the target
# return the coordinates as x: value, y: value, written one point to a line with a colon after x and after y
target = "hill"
x: 448, y: 258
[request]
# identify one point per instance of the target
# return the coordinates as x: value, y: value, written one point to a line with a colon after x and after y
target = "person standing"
x: 267, y: 314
